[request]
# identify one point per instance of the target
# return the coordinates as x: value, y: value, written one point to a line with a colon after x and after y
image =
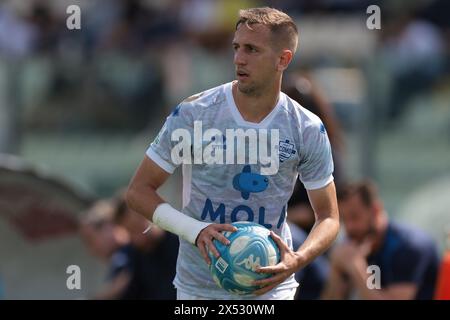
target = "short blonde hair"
x: 99, y: 214
x: 282, y: 26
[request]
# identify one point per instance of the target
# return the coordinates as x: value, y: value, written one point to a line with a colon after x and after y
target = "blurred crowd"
x: 133, y: 60
x: 142, y: 264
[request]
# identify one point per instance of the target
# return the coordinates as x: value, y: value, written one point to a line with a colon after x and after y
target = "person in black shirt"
x: 406, y: 258
x: 313, y: 277
x: 154, y: 257
x: 110, y: 243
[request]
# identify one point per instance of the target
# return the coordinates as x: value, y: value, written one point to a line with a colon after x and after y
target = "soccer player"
x: 221, y: 137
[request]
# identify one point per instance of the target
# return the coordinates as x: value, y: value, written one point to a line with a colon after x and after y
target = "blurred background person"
x: 301, y: 87
x: 413, y: 48
x: 407, y: 258
x: 111, y: 244
x: 156, y: 255
x: 313, y: 277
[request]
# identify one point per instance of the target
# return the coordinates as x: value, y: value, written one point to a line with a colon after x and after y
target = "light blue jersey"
x: 226, y: 179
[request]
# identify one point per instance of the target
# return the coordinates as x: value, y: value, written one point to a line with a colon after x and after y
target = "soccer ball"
x: 250, y: 247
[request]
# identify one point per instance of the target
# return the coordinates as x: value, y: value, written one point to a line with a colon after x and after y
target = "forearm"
x: 144, y: 200
x: 148, y: 203
x: 319, y: 240
x: 325, y: 230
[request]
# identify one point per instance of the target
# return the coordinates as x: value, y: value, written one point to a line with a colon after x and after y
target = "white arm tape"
x: 172, y: 220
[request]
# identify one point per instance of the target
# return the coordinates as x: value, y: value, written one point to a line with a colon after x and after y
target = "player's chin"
x: 242, y: 84
x: 245, y: 86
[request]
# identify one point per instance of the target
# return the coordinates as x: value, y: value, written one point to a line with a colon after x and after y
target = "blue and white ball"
x: 250, y: 247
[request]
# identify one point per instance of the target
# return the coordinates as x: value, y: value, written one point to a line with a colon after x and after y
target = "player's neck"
x: 254, y: 108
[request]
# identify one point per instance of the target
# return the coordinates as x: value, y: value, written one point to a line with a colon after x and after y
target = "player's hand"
x: 289, y: 264
x: 207, y: 235
x: 346, y: 254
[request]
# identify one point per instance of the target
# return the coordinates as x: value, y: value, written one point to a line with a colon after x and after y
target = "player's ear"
x: 284, y: 59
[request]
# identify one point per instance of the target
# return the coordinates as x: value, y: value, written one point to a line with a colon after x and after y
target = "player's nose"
x: 239, y: 58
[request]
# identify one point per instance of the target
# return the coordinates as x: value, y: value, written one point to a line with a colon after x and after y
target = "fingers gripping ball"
x: 250, y: 247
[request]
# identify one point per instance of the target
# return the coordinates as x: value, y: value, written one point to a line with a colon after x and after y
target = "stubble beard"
x: 251, y: 90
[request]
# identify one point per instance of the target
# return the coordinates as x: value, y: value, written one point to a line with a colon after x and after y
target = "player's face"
x: 98, y: 240
x: 255, y: 58
x: 357, y: 217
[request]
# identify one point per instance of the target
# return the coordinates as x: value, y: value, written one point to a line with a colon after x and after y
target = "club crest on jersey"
x: 286, y: 150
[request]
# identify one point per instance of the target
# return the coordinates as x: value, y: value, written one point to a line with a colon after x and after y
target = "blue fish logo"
x: 247, y: 182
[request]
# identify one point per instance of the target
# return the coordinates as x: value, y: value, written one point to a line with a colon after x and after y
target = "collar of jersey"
x: 237, y: 115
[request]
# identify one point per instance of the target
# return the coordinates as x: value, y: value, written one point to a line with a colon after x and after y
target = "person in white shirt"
x: 242, y: 146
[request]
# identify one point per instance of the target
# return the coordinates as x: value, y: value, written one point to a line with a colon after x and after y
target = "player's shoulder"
x: 411, y: 236
x: 306, y: 119
x: 205, y: 99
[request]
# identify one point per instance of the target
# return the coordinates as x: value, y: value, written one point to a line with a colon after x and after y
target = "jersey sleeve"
x: 316, y: 164
x: 160, y: 150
